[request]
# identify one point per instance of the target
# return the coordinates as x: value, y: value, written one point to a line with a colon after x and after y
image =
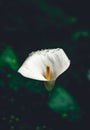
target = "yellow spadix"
x: 48, y: 73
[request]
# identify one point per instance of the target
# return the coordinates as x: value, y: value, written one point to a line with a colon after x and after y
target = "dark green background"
x: 30, y: 25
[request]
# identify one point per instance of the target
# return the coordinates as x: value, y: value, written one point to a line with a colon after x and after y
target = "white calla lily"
x: 45, y: 65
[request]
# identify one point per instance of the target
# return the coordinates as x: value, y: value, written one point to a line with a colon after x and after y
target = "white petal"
x: 35, y: 65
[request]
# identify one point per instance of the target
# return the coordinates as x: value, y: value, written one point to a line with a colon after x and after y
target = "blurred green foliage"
x: 16, y: 81
x: 88, y: 75
x: 64, y: 103
x: 9, y: 58
x: 79, y: 34
x: 55, y: 14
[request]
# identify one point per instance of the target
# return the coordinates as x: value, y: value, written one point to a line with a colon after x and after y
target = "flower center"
x: 48, y: 73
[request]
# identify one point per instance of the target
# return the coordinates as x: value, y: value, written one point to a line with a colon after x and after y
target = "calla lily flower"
x: 45, y: 65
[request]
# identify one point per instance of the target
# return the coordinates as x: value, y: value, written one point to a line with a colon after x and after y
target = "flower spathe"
x: 45, y: 65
